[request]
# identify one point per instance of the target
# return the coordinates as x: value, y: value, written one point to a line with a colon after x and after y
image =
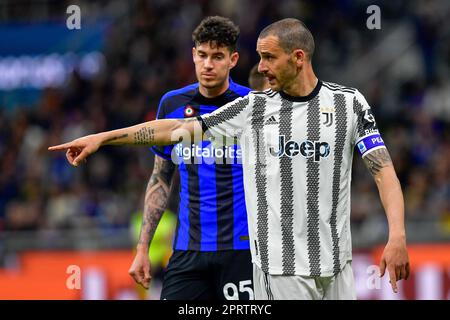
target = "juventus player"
x: 297, y: 140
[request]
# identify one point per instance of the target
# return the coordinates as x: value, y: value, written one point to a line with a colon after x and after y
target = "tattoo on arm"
x: 144, y: 136
x: 116, y: 138
x: 156, y: 198
x: 377, y: 160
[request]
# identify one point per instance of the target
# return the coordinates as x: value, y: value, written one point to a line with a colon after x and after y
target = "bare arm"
x: 380, y: 165
x: 155, y: 203
x: 395, y: 255
x: 157, y: 132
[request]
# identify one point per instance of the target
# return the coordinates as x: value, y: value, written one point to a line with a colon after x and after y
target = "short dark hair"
x: 218, y: 30
x: 292, y: 34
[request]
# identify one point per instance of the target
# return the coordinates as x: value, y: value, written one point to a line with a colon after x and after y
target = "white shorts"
x: 279, y: 287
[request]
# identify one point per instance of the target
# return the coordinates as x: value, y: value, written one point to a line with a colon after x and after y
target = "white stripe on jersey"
x: 297, y: 156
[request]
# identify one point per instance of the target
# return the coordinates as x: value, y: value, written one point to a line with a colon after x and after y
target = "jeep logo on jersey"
x: 308, y: 149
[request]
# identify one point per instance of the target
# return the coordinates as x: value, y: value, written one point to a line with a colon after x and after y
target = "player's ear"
x: 299, y: 57
x: 194, y: 51
x: 234, y: 59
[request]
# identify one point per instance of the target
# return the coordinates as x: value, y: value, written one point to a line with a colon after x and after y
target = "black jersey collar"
x: 310, y: 96
x: 224, y: 98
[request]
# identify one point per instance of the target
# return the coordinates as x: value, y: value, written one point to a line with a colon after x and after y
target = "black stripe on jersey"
x: 225, y: 114
x: 337, y: 86
x: 224, y: 205
x: 262, y: 224
x: 271, y: 93
x: 287, y: 193
x: 200, y: 120
x: 340, y: 137
x: 357, y: 109
x: 177, y: 228
x: 195, y: 235
x: 337, y: 90
x: 312, y: 190
x: 334, y: 86
x: 268, y: 92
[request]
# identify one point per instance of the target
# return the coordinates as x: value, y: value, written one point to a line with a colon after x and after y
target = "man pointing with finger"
x: 297, y: 141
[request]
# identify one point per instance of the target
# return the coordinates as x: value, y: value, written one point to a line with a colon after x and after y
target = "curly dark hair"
x: 219, y: 31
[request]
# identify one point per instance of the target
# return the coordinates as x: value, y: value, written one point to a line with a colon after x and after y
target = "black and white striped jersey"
x: 297, y: 157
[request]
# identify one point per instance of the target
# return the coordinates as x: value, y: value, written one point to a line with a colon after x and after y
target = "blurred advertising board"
x: 104, y: 275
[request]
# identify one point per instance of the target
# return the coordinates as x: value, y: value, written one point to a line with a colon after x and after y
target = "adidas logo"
x: 272, y: 120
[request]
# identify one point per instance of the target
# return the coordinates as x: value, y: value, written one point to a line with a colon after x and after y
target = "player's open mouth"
x: 271, y: 79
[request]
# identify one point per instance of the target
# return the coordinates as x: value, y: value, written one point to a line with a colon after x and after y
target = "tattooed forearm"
x: 377, y: 160
x: 156, y: 197
x: 144, y: 136
x: 116, y: 138
x: 154, y: 206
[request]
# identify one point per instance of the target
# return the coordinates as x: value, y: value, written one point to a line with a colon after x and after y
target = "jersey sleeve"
x: 162, y: 151
x: 366, y: 137
x: 225, y: 125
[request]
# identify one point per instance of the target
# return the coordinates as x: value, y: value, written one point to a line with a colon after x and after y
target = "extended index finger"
x: 393, y: 278
x: 63, y: 146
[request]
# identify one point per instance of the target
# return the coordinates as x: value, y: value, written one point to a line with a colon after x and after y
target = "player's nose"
x: 262, y: 67
x: 208, y: 63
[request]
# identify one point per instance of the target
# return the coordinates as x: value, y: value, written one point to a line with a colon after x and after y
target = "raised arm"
x: 155, y: 203
x: 395, y: 256
x: 157, y: 132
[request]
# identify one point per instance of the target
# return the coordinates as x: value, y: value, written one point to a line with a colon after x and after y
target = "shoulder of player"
x: 174, y: 99
x: 187, y: 91
x: 266, y: 93
x: 357, y: 101
x: 337, y: 88
x: 239, y: 90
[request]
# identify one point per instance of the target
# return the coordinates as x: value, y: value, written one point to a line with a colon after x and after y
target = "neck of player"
x: 303, y: 84
x: 214, y: 91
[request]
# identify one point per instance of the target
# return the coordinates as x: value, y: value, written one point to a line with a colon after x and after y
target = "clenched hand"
x: 140, y: 269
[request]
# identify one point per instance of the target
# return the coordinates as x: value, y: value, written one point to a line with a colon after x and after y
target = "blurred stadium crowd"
x: 148, y: 52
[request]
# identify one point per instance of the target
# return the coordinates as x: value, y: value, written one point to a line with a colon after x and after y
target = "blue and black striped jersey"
x: 212, y: 214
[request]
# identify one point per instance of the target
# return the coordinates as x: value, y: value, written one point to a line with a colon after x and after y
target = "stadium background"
x: 57, y: 84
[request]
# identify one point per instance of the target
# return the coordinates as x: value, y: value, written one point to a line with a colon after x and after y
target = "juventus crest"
x: 328, y: 114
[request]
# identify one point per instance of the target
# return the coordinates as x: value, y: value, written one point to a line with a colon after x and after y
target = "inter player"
x: 297, y: 142
x: 211, y: 257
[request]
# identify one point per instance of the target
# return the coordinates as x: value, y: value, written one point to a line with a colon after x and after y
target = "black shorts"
x: 221, y: 275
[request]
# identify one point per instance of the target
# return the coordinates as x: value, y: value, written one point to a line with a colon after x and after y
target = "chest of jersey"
x: 304, y: 130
